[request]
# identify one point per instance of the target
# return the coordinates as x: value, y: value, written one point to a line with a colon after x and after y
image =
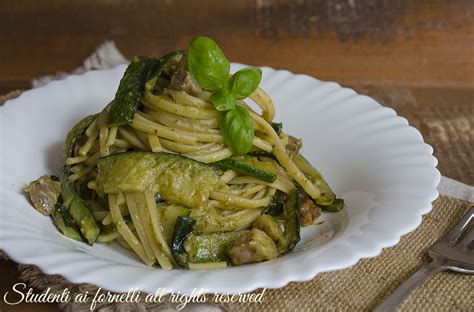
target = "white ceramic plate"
x: 369, y: 155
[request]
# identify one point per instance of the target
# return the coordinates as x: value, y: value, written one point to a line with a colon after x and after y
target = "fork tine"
x: 454, y: 233
x: 466, y: 240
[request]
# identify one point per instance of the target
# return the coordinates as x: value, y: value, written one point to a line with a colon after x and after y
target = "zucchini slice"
x: 77, y: 208
x: 291, y: 217
x: 275, y: 207
x: 65, y: 224
x: 75, y: 134
x: 170, y: 214
x: 250, y: 166
x: 130, y: 90
x: 178, y: 179
x: 209, y: 247
x: 277, y: 126
x: 337, y: 205
x: 156, y: 72
x: 260, y: 153
x: 183, y: 227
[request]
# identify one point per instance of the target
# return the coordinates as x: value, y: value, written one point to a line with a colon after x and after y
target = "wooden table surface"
x: 415, y: 56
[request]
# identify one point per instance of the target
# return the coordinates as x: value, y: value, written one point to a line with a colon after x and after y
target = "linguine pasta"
x: 170, y: 184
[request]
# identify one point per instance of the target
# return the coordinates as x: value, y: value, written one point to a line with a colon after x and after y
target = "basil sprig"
x: 210, y: 68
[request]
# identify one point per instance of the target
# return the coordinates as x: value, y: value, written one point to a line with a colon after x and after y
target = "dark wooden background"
x: 416, y: 56
x: 402, y: 42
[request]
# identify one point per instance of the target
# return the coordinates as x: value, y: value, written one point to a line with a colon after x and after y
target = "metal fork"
x: 454, y: 251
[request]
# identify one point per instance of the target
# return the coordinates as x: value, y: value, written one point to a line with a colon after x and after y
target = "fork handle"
x: 391, y: 303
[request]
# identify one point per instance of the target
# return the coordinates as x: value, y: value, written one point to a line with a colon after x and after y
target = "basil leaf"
x: 237, y: 129
x: 244, y: 82
x: 207, y: 63
x: 223, y: 100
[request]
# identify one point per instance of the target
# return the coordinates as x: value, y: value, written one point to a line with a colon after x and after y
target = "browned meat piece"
x: 293, y: 147
x: 44, y: 193
x: 183, y: 81
x: 309, y: 211
x: 252, y: 246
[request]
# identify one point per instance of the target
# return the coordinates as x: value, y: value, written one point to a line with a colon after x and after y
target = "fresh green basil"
x: 207, y: 63
x: 210, y: 68
x: 244, y: 82
x: 223, y: 100
x: 237, y: 129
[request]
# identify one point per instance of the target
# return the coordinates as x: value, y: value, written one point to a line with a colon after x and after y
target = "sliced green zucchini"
x: 277, y: 126
x: 337, y: 205
x: 209, y: 247
x: 183, y: 227
x: 250, y: 166
x: 291, y: 233
x: 170, y: 214
x: 275, y: 208
x: 65, y: 224
x: 78, y: 209
x: 178, y: 179
x: 75, y: 134
x: 260, y: 153
x: 130, y: 90
x: 327, y: 195
x: 156, y: 72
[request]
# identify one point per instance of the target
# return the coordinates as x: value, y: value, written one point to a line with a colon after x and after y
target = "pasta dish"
x: 186, y: 167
